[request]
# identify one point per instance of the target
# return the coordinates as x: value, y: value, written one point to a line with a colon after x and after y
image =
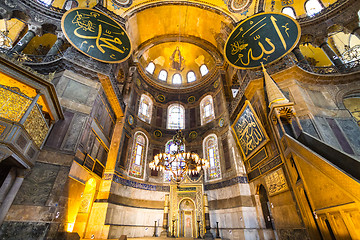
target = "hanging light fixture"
x: 178, y: 162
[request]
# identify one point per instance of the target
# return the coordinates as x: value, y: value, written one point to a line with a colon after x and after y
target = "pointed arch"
x: 211, y: 152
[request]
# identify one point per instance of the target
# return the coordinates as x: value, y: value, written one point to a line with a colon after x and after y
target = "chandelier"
x: 178, y: 162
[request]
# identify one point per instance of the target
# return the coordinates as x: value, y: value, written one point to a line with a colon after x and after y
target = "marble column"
x: 356, y: 32
x: 57, y: 45
x: 5, y: 187
x: 299, y: 56
x: 5, y: 206
x: 331, y: 54
x: 28, y: 111
x: 164, y: 232
x: 208, y: 234
x: 21, y: 45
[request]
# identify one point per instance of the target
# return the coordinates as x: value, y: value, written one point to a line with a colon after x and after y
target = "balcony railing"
x: 13, y: 106
x: 353, y: 66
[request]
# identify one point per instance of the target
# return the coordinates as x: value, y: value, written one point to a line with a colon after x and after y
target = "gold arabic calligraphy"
x: 103, y: 39
x: 248, y: 132
x: 244, y: 54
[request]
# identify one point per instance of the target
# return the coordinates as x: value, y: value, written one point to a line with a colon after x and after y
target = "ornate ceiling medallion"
x: 117, y: 4
x: 238, y: 6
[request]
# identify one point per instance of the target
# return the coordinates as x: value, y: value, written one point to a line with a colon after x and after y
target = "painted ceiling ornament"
x: 286, y: 2
x: 117, y: 4
x: 238, y: 6
x: 177, y: 61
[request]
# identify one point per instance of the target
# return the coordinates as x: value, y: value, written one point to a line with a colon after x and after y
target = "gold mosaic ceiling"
x: 194, y: 26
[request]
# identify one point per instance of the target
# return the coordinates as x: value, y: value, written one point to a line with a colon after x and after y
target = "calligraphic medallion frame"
x: 83, y: 52
x: 249, y: 19
x: 258, y: 147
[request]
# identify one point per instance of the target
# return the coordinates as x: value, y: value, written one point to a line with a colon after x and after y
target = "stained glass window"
x: 289, y: 11
x: 163, y: 75
x: 69, y: 4
x: 191, y: 77
x: 211, y: 152
x: 176, y: 116
x: 170, y: 147
x: 137, y: 162
x: 176, y: 78
x: 150, y: 68
x: 145, y: 108
x: 312, y: 7
x: 207, y: 109
x: 204, y: 70
x: 45, y: 2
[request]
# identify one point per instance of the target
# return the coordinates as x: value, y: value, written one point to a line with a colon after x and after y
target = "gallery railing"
x: 353, y: 66
x: 13, y: 106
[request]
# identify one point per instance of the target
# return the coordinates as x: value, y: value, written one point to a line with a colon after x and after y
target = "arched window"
x: 163, y: 75
x: 204, y: 70
x: 207, y: 109
x: 150, y: 68
x: 145, y: 108
x: 289, y: 11
x: 45, y: 2
x: 312, y: 7
x: 191, y: 76
x: 176, y: 116
x: 176, y: 79
x: 138, y: 155
x: 211, y: 152
x: 170, y: 147
x: 69, y: 4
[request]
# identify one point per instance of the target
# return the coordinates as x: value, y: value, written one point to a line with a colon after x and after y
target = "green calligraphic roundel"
x: 96, y: 35
x: 262, y: 38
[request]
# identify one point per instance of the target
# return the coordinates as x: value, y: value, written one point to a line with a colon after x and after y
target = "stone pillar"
x: 9, y: 180
x: 28, y: 111
x: 299, y: 56
x: 208, y: 234
x: 356, y: 32
x: 5, y: 206
x: 21, y: 45
x: 57, y: 45
x: 98, y: 213
x: 331, y: 54
x: 164, y: 232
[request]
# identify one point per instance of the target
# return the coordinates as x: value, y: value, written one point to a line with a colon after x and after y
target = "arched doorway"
x: 265, y: 206
x: 187, y: 218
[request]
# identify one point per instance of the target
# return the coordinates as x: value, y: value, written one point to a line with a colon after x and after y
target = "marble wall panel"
x: 37, y: 186
x: 135, y: 193
x: 23, y: 230
x: 133, y: 217
x: 73, y: 134
x: 352, y: 132
x: 240, y: 217
x: 326, y: 132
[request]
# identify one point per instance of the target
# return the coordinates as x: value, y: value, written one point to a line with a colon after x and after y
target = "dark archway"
x: 265, y: 206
